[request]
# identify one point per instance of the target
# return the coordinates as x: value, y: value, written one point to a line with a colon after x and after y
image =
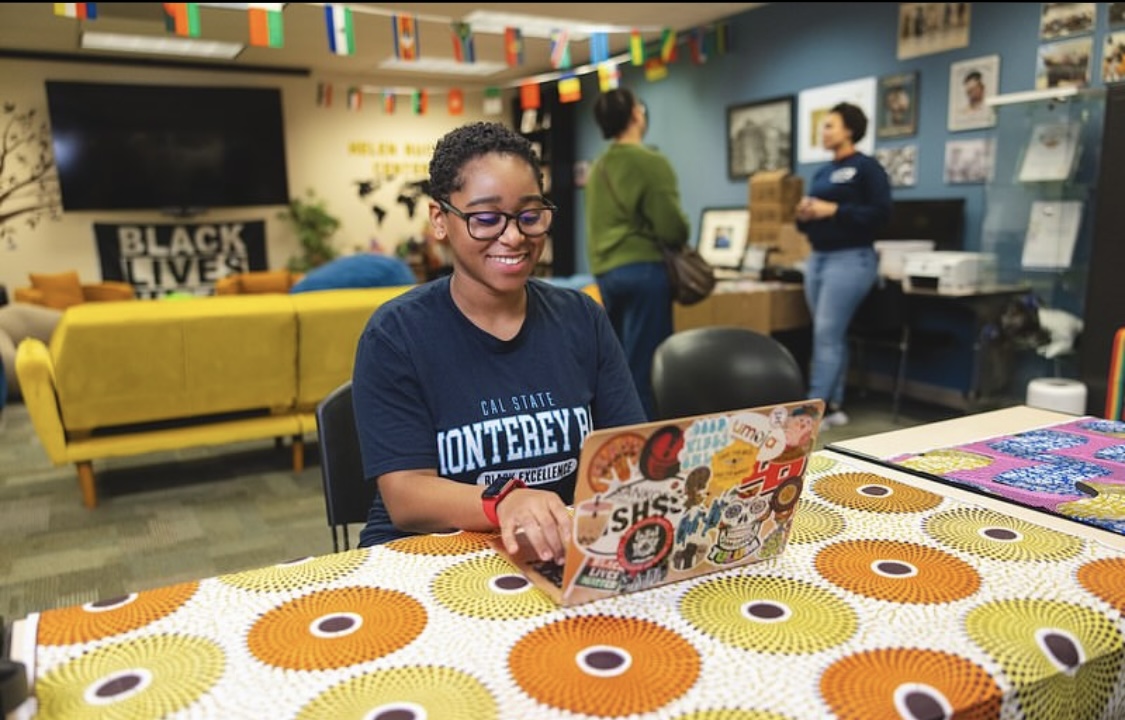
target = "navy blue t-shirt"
x: 859, y: 186
x: 432, y: 390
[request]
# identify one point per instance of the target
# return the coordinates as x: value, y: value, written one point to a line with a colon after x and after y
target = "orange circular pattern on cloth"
x: 148, y: 677
x: 766, y: 614
x: 897, y: 572
x: 732, y: 714
x: 441, y: 693
x: 602, y: 665
x: 940, y: 462
x: 870, y: 492
x: 904, y: 683
x: 820, y: 463
x: 989, y: 534
x: 97, y: 620
x: 461, y: 542
x: 1106, y: 579
x: 489, y: 587
x: 336, y: 628
x: 297, y: 574
x: 814, y: 522
x: 1040, y: 644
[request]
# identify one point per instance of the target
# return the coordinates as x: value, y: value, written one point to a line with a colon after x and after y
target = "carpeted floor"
x: 171, y: 517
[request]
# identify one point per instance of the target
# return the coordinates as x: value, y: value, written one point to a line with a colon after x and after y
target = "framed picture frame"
x: 816, y: 103
x: 928, y: 28
x: 1064, y: 63
x: 897, y: 115
x: 901, y: 164
x: 968, y: 161
x: 971, y: 83
x: 723, y: 233
x: 760, y: 137
x: 1059, y: 20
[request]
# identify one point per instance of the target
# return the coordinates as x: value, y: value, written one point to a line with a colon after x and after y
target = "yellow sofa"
x: 127, y: 378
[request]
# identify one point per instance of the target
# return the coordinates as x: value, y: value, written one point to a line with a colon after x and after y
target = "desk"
x: 767, y: 307
x: 888, y: 595
x: 992, y: 361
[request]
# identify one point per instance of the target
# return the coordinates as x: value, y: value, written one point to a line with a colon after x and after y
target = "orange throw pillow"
x: 266, y: 281
x: 60, y: 290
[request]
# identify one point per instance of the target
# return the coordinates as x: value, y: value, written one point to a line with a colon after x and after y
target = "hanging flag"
x: 182, y: 18
x: 722, y: 38
x: 341, y: 35
x: 493, y: 101
x: 609, y: 77
x: 421, y: 101
x: 529, y: 95
x: 599, y: 47
x: 698, y: 46
x: 324, y: 94
x: 389, y: 102
x: 406, y: 37
x: 266, y: 29
x: 668, y: 46
x: 355, y: 98
x: 570, y: 89
x: 82, y: 11
x: 636, y: 48
x: 463, y: 46
x: 655, y: 69
x: 456, y: 101
x: 560, y: 49
x: 513, y: 46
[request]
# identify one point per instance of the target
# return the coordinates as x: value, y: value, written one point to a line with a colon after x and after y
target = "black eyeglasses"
x: 491, y: 224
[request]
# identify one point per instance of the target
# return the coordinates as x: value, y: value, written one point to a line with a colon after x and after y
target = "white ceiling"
x: 33, y: 28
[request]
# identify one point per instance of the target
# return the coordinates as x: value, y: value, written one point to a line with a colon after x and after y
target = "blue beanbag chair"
x: 363, y: 270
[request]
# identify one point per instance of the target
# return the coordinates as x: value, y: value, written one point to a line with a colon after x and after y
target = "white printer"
x: 949, y: 271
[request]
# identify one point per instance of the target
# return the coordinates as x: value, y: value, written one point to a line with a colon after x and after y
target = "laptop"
x: 665, y: 501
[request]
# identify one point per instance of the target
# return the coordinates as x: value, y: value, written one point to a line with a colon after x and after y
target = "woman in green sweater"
x: 632, y: 208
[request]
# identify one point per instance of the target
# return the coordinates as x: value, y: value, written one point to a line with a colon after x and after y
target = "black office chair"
x: 347, y: 495
x: 717, y: 368
x: 882, y: 321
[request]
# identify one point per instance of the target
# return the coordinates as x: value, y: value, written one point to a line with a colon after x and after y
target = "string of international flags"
x: 265, y: 28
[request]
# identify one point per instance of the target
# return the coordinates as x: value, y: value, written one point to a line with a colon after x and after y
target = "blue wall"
x: 784, y: 48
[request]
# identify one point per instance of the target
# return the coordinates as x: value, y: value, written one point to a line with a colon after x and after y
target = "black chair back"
x: 719, y: 368
x: 347, y: 494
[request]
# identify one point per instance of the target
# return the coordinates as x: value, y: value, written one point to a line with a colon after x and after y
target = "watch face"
x: 497, y: 488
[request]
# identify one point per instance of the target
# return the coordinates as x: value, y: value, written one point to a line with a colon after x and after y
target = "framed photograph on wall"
x: 901, y: 164
x: 1117, y: 15
x: 971, y: 82
x: 814, y: 104
x: 760, y: 137
x: 898, y: 106
x: 723, y: 232
x: 1113, y: 58
x: 928, y: 28
x: 968, y: 161
x: 1065, y: 63
x: 1059, y: 20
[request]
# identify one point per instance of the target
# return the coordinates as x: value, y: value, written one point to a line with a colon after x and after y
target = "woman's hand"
x: 541, y: 517
x: 810, y: 208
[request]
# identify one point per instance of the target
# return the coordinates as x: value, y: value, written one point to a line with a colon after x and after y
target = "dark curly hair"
x: 854, y: 120
x: 468, y: 142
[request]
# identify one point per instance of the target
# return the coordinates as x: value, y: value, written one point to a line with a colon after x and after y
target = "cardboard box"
x: 778, y: 188
x: 772, y: 213
x: 765, y: 308
x: 793, y: 246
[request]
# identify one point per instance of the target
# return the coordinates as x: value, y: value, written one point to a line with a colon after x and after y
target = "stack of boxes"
x: 774, y: 195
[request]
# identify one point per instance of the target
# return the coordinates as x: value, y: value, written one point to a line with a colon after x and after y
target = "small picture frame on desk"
x: 723, y: 232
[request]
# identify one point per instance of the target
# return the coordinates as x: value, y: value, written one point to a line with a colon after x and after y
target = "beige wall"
x: 328, y: 149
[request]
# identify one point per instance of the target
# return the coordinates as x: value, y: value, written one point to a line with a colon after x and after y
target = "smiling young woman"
x: 488, y: 375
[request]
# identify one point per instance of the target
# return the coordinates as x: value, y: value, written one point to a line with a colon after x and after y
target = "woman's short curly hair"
x: 854, y: 120
x: 457, y: 147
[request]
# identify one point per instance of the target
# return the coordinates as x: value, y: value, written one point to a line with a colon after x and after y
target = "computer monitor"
x: 942, y: 221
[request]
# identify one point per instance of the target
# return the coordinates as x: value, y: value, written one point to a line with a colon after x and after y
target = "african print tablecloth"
x: 1075, y: 469
x: 890, y: 601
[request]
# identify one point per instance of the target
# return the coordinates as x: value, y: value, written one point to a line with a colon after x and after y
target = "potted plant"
x: 315, y: 226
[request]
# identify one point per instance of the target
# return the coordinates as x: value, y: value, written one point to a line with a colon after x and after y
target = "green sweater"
x: 645, y: 214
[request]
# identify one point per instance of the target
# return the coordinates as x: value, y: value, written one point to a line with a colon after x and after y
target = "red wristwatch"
x: 494, y: 493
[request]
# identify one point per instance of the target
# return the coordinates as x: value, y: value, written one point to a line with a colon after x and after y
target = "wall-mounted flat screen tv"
x: 169, y: 148
x: 940, y: 220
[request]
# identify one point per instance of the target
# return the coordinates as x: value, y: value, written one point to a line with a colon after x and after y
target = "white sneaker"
x: 836, y: 418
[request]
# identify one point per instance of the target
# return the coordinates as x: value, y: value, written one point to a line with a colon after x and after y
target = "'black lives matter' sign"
x: 180, y: 257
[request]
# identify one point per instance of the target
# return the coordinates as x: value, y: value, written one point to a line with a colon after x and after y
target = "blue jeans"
x: 639, y: 304
x: 836, y: 283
